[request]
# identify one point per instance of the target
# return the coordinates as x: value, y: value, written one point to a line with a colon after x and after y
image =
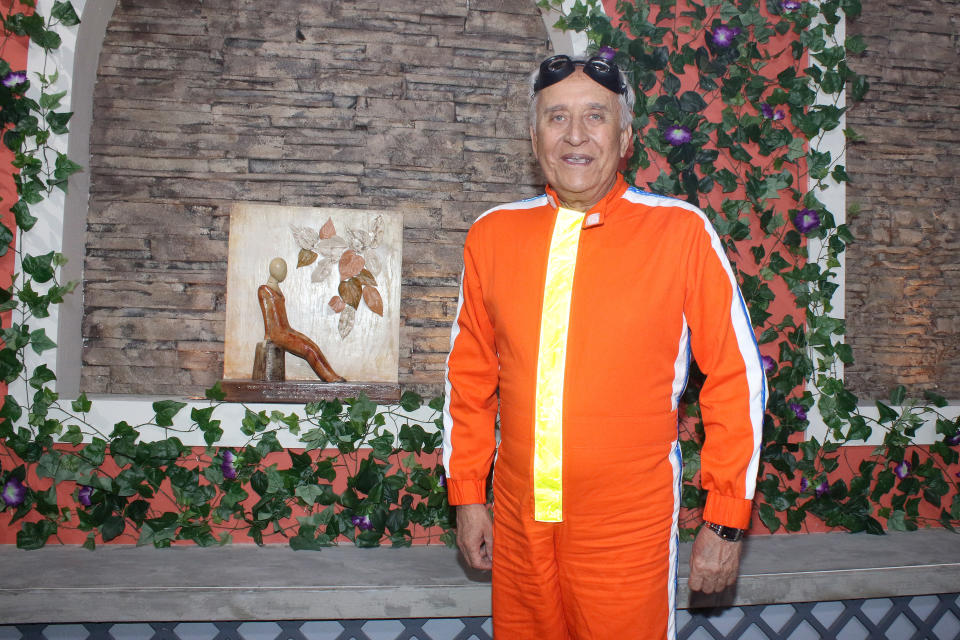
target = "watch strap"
x: 730, y: 534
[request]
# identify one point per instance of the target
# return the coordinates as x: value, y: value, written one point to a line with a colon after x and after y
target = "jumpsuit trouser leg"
x: 607, y: 571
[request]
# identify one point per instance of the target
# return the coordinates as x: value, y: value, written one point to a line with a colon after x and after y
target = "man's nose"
x: 576, y: 133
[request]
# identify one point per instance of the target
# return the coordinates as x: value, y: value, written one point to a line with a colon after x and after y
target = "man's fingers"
x: 713, y: 563
x: 475, y: 535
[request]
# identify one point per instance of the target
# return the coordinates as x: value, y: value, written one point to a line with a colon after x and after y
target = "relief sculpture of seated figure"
x: 276, y: 327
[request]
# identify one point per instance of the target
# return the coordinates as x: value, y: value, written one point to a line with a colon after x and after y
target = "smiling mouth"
x: 576, y: 159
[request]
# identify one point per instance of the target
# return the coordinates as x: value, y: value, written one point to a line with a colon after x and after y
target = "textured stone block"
x: 904, y: 177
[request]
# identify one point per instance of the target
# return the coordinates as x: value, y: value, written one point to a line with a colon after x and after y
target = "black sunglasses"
x: 600, y: 70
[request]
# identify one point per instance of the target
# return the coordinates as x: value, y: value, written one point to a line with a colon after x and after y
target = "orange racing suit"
x: 578, y: 328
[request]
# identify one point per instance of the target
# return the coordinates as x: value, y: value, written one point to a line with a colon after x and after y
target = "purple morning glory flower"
x: 84, y: 495
x: 769, y: 364
x: 607, y: 53
x: 804, y: 484
x: 442, y: 480
x: 362, y: 522
x: 14, y: 492
x: 229, y: 471
x: 806, y: 220
x: 14, y: 78
x: 790, y: 5
x: 822, y: 488
x: 798, y: 410
x: 723, y: 36
x: 902, y: 470
x: 677, y: 135
x: 953, y: 440
x: 767, y: 112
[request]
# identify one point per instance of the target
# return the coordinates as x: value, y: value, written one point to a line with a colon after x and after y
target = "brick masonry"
x: 376, y: 104
x: 903, y: 300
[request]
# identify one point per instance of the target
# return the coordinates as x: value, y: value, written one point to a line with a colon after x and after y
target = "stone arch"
x: 86, y: 52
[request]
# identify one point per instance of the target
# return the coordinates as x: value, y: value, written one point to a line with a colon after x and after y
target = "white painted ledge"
x: 244, y: 582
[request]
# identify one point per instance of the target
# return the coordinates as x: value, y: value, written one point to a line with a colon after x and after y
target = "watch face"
x: 731, y: 534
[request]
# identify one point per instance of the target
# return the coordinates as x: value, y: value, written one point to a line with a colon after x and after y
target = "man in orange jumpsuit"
x: 577, y: 315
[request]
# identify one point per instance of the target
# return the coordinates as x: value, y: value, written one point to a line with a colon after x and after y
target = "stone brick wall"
x: 417, y: 106
x: 903, y: 296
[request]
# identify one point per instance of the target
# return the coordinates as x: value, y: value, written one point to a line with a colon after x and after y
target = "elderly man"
x: 578, y: 312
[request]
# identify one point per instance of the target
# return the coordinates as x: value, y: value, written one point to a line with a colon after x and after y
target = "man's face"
x: 577, y: 139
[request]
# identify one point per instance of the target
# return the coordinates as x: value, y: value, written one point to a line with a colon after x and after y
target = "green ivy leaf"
x: 112, y: 527
x: 860, y: 88
x: 896, y: 521
x: 40, y: 268
x: 65, y: 14
x: 305, y: 541
x: 437, y: 403
x: 859, y: 429
x: 73, y: 435
x: 935, y: 399
x: 898, y: 395
x: 308, y: 493
x: 63, y: 169
x: 259, y: 482
x: 410, y: 401
x: 886, y: 413
x: 769, y: 518
x: 692, y: 102
x: 382, y: 446
x: 25, y: 220
x: 34, y: 535
x: 362, y: 409
x: 51, y: 100
x: 58, y: 121
x: 41, y: 375
x: 165, y: 411
x: 23, y: 25
x: 215, y: 393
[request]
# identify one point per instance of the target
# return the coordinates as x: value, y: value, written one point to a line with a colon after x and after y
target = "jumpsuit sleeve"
x: 472, y: 377
x: 733, y: 397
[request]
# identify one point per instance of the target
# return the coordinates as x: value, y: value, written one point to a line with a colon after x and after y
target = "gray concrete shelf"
x: 240, y: 582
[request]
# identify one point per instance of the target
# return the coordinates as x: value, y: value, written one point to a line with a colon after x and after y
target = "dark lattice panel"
x: 909, y: 618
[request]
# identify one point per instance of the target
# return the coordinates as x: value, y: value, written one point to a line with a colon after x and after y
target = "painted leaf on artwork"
x: 347, y: 317
x: 366, y: 278
x: 305, y: 258
x: 372, y: 297
x: 327, y: 230
x: 351, y: 291
x: 351, y: 263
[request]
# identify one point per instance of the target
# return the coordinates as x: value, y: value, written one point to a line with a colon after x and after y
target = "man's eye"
x: 598, y: 117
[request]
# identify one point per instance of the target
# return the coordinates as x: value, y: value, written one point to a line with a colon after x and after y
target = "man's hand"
x: 713, y: 562
x: 475, y: 535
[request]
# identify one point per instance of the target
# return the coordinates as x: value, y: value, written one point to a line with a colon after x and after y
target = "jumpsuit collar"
x: 594, y: 217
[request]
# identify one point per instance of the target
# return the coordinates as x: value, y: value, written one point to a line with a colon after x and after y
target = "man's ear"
x: 533, y: 141
x: 625, y: 137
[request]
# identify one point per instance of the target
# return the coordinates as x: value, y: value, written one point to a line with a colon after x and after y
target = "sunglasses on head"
x: 600, y: 70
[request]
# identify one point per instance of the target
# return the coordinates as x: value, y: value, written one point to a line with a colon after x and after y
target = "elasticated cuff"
x: 727, y: 511
x: 466, y: 491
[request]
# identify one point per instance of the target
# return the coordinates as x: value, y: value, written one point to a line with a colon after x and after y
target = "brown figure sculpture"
x: 276, y: 327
